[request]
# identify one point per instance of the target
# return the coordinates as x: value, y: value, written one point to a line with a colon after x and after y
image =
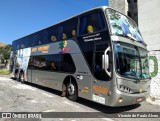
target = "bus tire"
x: 16, y: 76
x: 21, y: 77
x: 72, y: 91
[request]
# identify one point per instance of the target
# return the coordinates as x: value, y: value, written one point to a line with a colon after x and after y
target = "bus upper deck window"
x: 64, y: 36
x: 68, y: 28
x: 73, y: 33
x: 53, y: 38
x: 90, y: 23
x: 53, y: 33
x: 90, y: 29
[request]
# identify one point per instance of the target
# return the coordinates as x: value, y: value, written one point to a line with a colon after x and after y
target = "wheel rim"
x: 71, y: 89
x: 16, y: 75
x: 21, y: 78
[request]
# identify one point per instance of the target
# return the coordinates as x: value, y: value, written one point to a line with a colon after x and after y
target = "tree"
x: 5, y: 52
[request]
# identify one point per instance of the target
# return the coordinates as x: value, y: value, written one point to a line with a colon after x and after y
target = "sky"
x: 19, y: 18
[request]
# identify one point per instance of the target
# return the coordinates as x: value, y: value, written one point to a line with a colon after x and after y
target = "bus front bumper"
x: 124, y: 99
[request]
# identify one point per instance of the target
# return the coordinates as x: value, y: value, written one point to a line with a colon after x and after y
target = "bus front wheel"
x: 72, y: 91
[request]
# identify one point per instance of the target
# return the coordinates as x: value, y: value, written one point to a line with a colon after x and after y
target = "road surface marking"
x: 22, y: 86
x: 107, y: 119
x: 48, y: 95
x: 52, y: 110
x: 34, y: 101
x: 71, y: 104
x: 43, y: 101
x: 2, y: 83
x: 3, y: 78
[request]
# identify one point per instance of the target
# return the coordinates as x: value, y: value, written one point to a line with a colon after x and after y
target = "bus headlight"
x: 124, y: 89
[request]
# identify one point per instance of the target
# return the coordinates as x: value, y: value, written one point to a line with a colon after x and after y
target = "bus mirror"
x: 105, y: 61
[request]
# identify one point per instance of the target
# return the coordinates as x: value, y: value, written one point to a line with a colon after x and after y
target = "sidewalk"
x: 155, y: 102
x: 6, y: 76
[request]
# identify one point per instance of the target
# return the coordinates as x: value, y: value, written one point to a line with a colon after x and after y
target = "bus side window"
x: 45, y: 37
x: 36, y: 41
x: 53, y: 38
x: 90, y: 29
x: 68, y: 28
x: 67, y: 64
x: 90, y: 23
x: 53, y: 33
x: 64, y: 36
x: 40, y: 37
x: 73, y: 33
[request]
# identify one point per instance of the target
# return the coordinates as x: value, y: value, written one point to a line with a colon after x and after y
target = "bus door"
x: 100, y: 81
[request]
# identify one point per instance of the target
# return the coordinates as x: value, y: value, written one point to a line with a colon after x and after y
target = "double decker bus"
x: 98, y: 55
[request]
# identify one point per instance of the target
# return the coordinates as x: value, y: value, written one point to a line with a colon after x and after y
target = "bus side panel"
x: 48, y: 79
x: 55, y: 81
x: 83, y: 76
x: 29, y: 75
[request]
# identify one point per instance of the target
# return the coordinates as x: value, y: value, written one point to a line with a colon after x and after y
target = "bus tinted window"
x: 45, y: 38
x: 14, y: 45
x: 53, y: 62
x: 24, y: 42
x: 67, y: 63
x: 56, y: 62
x: 40, y: 38
x: 38, y: 62
x: 68, y: 29
x: 53, y: 33
x: 47, y: 62
x: 91, y: 23
x: 30, y: 64
x: 35, y: 42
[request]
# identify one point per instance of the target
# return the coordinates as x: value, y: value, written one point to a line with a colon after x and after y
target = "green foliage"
x: 4, y: 72
x: 155, y: 72
x: 5, y: 52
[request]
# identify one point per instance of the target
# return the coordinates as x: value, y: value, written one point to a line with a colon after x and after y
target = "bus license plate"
x: 139, y: 99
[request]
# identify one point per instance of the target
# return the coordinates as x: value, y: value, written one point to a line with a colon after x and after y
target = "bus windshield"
x: 131, y: 61
x: 122, y: 25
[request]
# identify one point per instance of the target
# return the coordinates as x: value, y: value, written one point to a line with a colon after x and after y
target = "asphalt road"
x: 17, y: 97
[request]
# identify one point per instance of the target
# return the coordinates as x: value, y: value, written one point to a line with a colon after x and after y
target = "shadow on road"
x: 96, y: 106
x: 107, y: 109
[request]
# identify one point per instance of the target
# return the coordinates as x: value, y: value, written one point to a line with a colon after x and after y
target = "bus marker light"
x: 139, y: 99
x: 120, y: 99
x: 86, y: 89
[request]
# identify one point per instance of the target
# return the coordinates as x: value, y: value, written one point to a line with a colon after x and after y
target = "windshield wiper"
x: 138, y: 80
x: 133, y: 73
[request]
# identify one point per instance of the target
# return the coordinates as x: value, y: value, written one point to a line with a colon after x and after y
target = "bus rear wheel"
x: 21, y: 77
x: 72, y: 91
x: 16, y: 76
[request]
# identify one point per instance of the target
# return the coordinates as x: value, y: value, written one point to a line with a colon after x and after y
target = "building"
x: 127, y: 7
x: 145, y: 13
x: 149, y: 24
